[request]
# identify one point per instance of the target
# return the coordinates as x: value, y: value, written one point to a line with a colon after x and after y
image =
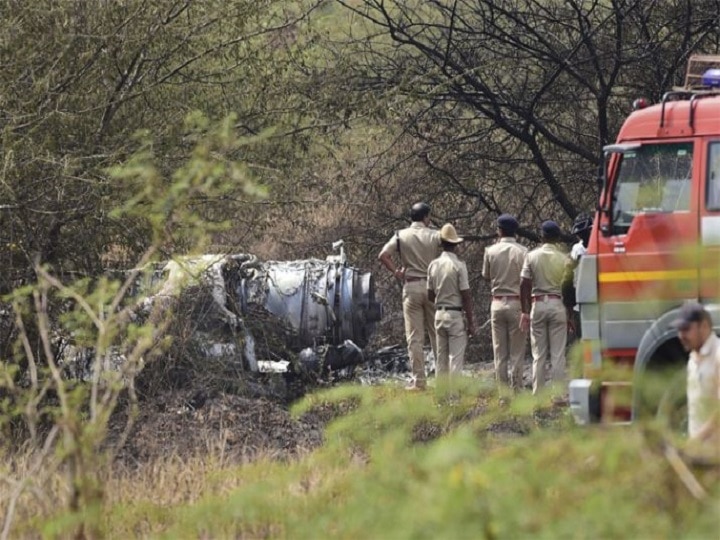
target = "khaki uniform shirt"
x: 447, y: 276
x: 545, y: 267
x: 502, y: 264
x: 419, y: 245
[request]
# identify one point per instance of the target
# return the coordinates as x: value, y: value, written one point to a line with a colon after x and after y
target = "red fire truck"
x: 655, y: 243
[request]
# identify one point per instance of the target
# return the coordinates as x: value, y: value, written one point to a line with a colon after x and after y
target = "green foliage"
x: 340, y: 112
x: 81, y: 80
x: 100, y: 317
x: 452, y: 464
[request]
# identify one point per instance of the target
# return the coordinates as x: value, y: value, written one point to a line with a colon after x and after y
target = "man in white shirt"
x: 582, y: 227
x: 695, y: 330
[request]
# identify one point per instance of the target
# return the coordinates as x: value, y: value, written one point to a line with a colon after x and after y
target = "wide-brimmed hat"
x: 448, y: 234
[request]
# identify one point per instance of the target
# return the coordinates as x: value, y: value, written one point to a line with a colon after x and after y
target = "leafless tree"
x: 510, y: 102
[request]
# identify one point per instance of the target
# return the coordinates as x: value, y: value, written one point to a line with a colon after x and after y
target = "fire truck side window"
x: 713, y: 177
x: 655, y: 178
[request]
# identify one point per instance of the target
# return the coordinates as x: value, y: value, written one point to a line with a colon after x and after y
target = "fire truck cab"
x: 655, y: 244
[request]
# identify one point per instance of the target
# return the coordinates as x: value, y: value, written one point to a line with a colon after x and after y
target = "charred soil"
x: 240, y: 422
x: 188, y: 423
x: 243, y: 416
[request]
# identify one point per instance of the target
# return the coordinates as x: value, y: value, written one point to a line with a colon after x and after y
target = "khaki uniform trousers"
x: 548, y: 337
x: 452, y: 340
x: 509, y: 341
x: 419, y: 315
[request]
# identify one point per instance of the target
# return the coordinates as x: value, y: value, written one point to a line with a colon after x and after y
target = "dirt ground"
x: 177, y: 423
x: 187, y: 423
x: 241, y: 425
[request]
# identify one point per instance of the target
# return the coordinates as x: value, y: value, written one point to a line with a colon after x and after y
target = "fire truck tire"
x: 656, y: 381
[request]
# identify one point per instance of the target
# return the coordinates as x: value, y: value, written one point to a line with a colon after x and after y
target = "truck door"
x: 710, y: 225
x: 646, y: 265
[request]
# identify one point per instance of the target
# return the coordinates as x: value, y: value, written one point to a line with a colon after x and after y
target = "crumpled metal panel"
x: 317, y: 302
x: 324, y: 308
x: 319, y: 313
x: 267, y: 313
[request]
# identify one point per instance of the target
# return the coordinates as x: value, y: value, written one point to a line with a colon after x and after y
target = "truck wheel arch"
x: 659, y: 348
x: 659, y: 336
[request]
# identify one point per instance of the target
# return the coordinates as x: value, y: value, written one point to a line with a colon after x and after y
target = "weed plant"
x: 450, y: 463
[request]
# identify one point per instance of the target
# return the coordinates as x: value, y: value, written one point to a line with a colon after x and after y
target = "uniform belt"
x: 506, y: 297
x: 414, y: 279
x: 448, y: 308
x: 541, y: 297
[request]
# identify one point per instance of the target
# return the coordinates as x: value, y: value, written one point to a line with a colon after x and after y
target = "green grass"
x: 434, y: 465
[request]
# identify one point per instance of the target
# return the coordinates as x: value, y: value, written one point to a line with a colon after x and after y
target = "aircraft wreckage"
x: 307, y: 315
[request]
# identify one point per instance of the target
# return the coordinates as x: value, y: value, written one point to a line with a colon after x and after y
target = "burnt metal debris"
x: 308, y: 315
x: 323, y: 312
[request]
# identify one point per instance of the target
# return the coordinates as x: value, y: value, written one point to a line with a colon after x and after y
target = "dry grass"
x: 435, y: 465
x: 148, y: 491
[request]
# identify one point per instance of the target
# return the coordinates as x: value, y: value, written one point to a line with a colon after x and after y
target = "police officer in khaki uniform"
x: 502, y: 264
x: 543, y: 311
x: 416, y: 246
x: 448, y: 287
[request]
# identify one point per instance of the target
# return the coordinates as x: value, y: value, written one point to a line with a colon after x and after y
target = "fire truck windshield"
x: 653, y: 178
